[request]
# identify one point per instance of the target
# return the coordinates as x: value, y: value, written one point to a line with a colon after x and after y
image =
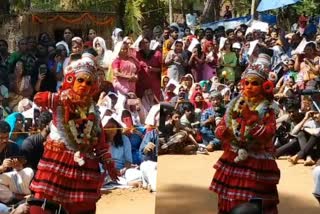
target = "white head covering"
x: 30, y: 112
x: 24, y: 105
x: 106, y: 119
x: 65, y: 46
x: 174, y: 44
x: 150, y: 119
x: 116, y: 35
x: 119, y: 106
x: 107, y: 54
x: 172, y: 82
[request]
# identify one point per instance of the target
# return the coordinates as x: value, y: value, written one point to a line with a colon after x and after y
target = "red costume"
x: 247, y: 168
x: 69, y: 171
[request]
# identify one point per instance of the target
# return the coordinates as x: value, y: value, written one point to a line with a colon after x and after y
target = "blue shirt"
x: 210, y: 113
x: 122, y: 154
x: 135, y: 140
x: 151, y: 136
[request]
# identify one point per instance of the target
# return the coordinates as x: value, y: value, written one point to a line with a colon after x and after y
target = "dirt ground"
x: 183, y: 183
x: 183, y: 188
x: 127, y: 201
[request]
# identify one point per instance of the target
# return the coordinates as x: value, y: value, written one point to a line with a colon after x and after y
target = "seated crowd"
x: 129, y: 111
x: 201, y: 75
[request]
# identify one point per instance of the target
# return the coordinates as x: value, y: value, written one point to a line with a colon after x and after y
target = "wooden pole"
x: 170, y: 12
x: 253, y: 2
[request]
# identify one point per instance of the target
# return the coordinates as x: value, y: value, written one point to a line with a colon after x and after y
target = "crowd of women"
x: 78, y: 75
x: 202, y: 73
x: 194, y: 75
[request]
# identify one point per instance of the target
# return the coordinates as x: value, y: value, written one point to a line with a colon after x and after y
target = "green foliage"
x: 242, y: 7
x: 53, y: 5
x: 75, y: 5
x: 138, y: 12
x: 310, y: 7
x: 133, y: 16
x: 17, y: 6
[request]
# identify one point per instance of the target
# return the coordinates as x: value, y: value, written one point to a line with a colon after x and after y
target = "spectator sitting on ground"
x: 14, y: 179
x: 32, y: 147
x: 210, y: 119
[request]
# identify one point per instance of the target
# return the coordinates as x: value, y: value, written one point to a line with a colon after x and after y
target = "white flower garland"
x: 262, y: 108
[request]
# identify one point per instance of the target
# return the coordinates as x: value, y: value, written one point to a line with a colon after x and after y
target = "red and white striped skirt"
x: 237, y: 183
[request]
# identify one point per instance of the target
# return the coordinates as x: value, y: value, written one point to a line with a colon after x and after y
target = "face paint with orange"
x: 252, y: 87
x: 83, y: 84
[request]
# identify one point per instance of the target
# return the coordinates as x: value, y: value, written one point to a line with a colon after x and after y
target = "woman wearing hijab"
x: 104, y: 54
x: 125, y: 69
x: 16, y: 122
x: 117, y: 36
x: 198, y: 101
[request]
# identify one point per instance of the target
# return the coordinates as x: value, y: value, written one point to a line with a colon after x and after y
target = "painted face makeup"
x: 83, y: 84
x: 252, y: 87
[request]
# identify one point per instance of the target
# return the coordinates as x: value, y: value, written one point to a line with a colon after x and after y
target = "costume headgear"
x: 260, y: 68
x: 84, y: 65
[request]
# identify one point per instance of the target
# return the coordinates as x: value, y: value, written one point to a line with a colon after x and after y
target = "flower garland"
x: 105, y: 21
x: 82, y: 142
x: 241, y: 126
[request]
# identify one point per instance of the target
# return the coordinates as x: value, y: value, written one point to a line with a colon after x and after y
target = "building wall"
x: 13, y: 28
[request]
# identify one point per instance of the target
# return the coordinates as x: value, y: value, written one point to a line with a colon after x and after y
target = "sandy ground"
x: 183, y: 188
x: 127, y: 201
x: 183, y: 183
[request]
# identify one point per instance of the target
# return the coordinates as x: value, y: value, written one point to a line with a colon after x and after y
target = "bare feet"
x: 210, y: 148
x: 135, y: 184
x: 309, y: 162
x: 294, y: 159
x: 190, y: 149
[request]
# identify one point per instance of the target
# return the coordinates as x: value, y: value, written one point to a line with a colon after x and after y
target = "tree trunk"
x: 211, y: 11
x: 68, y: 5
x: 234, y: 12
x: 121, y: 14
x: 5, y: 7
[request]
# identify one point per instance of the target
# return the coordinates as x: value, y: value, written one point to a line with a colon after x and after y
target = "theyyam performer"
x: 247, y: 168
x: 69, y: 171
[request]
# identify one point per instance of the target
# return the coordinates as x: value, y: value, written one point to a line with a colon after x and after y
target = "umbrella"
x: 274, y: 4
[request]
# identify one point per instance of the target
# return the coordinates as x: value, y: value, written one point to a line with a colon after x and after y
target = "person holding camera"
x: 209, y: 120
x: 308, y: 134
x: 14, y: 178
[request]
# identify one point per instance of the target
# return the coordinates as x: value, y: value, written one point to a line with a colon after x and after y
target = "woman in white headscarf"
x: 117, y: 36
x: 104, y: 55
x: 124, y: 69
